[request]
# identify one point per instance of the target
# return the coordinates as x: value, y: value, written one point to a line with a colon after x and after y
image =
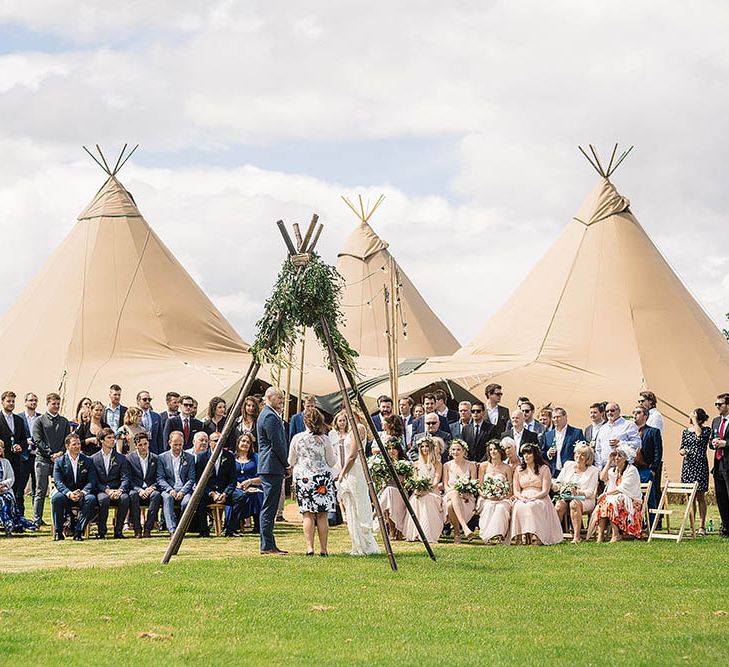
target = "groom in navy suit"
x: 272, y: 465
x: 558, y: 445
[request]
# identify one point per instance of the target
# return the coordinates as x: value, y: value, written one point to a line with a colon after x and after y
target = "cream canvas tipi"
x: 113, y: 305
x: 602, y: 316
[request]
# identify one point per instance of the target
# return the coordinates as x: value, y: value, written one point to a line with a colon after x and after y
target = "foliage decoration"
x: 305, y: 293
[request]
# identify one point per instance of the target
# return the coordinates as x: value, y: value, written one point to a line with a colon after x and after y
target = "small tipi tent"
x: 113, y: 305
x: 607, y: 318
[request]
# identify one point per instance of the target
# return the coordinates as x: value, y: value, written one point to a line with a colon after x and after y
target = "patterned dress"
x: 695, y: 466
x: 624, y: 508
x: 312, y: 457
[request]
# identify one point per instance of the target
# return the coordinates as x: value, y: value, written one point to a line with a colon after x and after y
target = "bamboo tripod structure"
x: 305, y: 246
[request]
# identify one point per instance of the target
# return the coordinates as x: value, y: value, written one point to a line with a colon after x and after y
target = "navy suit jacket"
x: 166, y: 473
x: 201, y: 460
x: 272, y: 445
x: 85, y: 475
x: 419, y: 425
x: 296, y: 425
x: 118, y: 475
x: 567, y: 453
x: 156, y: 433
x: 136, y: 479
x: 175, y: 424
x: 651, y: 451
x: 20, y: 436
x: 225, y: 480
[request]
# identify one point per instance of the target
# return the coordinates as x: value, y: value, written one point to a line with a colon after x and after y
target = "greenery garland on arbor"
x: 303, y: 296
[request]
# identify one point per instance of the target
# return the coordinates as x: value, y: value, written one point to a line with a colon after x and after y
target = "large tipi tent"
x: 607, y: 318
x: 113, y: 305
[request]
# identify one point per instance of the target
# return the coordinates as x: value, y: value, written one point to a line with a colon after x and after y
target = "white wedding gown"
x: 353, y: 494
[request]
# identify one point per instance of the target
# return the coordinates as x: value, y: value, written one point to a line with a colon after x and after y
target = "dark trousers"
x: 647, y: 475
x: 721, y: 486
x: 122, y: 507
x: 60, y: 504
x: 22, y: 472
x: 152, y: 502
x: 234, y: 510
x: 271, y: 485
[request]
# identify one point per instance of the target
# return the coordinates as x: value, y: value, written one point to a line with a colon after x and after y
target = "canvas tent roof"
x: 607, y: 318
x: 112, y: 304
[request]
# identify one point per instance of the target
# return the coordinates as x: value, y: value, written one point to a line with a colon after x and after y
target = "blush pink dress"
x: 495, y: 516
x: 538, y: 517
x: 428, y: 508
x: 393, y: 506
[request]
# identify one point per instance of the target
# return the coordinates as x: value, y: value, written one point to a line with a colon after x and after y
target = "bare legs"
x: 318, y: 521
x: 457, y: 516
x: 700, y: 500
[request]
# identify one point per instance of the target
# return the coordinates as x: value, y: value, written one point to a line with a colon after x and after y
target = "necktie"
x: 722, y: 434
x: 475, y: 431
x: 186, y: 429
x: 146, y: 419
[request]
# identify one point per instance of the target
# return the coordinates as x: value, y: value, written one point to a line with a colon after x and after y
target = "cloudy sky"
x: 465, y: 115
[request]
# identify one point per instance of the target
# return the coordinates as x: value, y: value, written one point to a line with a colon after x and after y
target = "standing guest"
x: 354, y: 494
x: 172, y: 401
x: 533, y: 517
x: 545, y: 418
x: 530, y: 421
x: 464, y: 419
x: 114, y: 412
x: 151, y: 422
x: 495, y: 512
x: 695, y: 467
x: 246, y: 465
x: 89, y: 431
x: 175, y: 479
x: 143, y: 486
x: 476, y: 433
x: 427, y: 504
x: 597, y: 421
x: 460, y: 508
x: 406, y: 412
x: 418, y: 411
x: 185, y: 422
x: 337, y: 437
x: 222, y: 489
x: 512, y: 456
x: 84, y: 405
x: 647, y: 399
x: 384, y: 405
x: 13, y: 433
x: 74, y: 476
x: 617, y: 431
x: 582, y: 476
x: 246, y: 423
x: 558, y: 447
x: 391, y: 502
x: 620, y: 505
x: 496, y: 414
x: 311, y: 456
x: 434, y: 433
x: 125, y: 434
x: 272, y: 465
x: 649, y: 458
x: 29, y: 417
x: 215, y: 417
x: 429, y: 406
x: 518, y: 433
x: 719, y: 437
x: 10, y: 514
x: 49, y: 434
x: 112, y: 483
x: 297, y: 421
x: 442, y: 409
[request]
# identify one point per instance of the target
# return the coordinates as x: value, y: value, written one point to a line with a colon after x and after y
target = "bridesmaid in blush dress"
x: 533, y: 517
x: 391, y: 502
x: 495, y: 513
x: 427, y: 505
x: 460, y: 508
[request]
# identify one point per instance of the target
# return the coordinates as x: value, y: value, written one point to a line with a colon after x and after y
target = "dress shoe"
x: 100, y: 536
x: 138, y: 534
x: 280, y: 517
x: 147, y: 533
x: 205, y: 533
x: 119, y: 536
x: 8, y: 532
x: 273, y: 552
x: 233, y: 533
x: 78, y: 537
x: 58, y: 537
x: 40, y: 523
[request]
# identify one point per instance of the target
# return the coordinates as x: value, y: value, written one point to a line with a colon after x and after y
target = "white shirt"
x: 176, y: 460
x: 626, y: 432
x: 144, y: 462
x: 107, y: 460
x: 11, y: 422
x: 31, y: 420
x: 111, y: 416
x: 74, y: 466
x: 655, y: 419
x: 558, y: 443
x: 493, y: 414
x: 517, y: 439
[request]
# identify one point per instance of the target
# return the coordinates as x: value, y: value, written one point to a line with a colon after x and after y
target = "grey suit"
x: 166, y: 483
x: 272, y: 464
x: 48, y: 435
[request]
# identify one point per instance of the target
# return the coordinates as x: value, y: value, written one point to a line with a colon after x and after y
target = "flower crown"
x: 462, y: 443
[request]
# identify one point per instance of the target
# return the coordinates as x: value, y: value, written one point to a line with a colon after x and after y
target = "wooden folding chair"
x: 674, y: 488
x: 645, y: 488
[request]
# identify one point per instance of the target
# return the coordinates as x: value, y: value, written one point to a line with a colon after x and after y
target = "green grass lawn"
x: 220, y: 603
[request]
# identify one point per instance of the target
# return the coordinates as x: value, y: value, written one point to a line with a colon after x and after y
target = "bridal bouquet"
x: 378, y: 470
x: 403, y: 468
x: 466, y: 486
x: 567, y: 490
x: 494, y: 487
x: 414, y: 484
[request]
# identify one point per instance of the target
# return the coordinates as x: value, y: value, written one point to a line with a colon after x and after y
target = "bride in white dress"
x: 354, y: 496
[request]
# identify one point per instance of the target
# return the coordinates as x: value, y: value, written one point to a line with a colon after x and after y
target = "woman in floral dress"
x: 695, y: 466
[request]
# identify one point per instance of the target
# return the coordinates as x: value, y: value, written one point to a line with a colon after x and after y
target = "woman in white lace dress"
x: 354, y: 496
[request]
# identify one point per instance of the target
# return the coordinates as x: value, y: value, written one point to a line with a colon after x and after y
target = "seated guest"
x: 88, y: 431
x: 533, y: 517
x: 558, y: 445
x: 495, y: 510
x: 74, y: 475
x: 10, y: 515
x: 247, y: 481
x: 112, y: 483
x: 131, y: 426
x: 222, y: 489
x: 175, y: 478
x: 143, y: 486
x: 215, y: 419
x: 200, y: 452
x: 517, y: 431
x: 434, y: 434
x: 620, y: 505
x: 419, y: 425
x: 512, y: 457
x: 427, y: 504
x: 649, y: 458
x: 580, y: 476
x: 460, y: 507
x: 391, y: 502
